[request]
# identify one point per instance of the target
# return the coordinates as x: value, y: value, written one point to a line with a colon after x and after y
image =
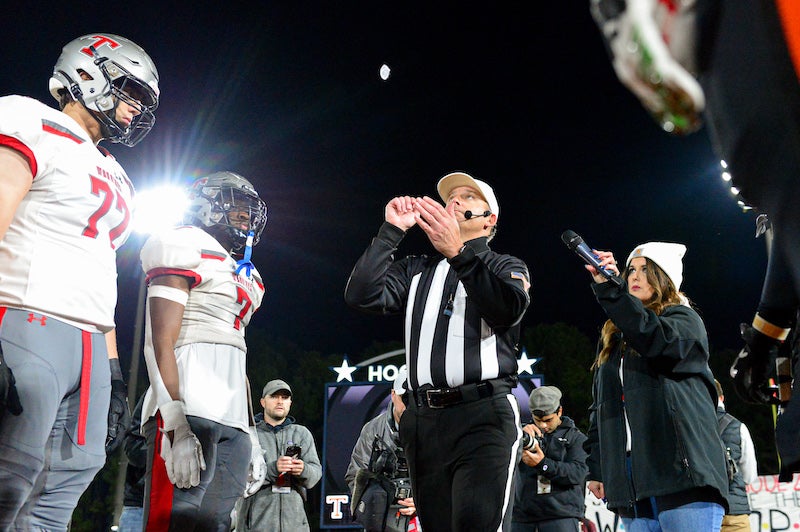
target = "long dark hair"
x: 664, y: 295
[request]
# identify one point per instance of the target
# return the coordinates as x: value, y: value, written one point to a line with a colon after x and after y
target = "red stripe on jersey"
x: 16, y: 145
x: 194, y: 277
x: 159, y: 502
x: 206, y: 254
x: 55, y: 129
x: 86, y: 382
x: 260, y: 285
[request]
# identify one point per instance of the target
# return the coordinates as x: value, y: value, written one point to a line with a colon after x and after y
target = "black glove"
x: 119, y: 416
x: 753, y: 367
x: 9, y: 399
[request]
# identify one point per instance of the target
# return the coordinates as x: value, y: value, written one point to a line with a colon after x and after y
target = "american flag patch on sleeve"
x: 521, y: 277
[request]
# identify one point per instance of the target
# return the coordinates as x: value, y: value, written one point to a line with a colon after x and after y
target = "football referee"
x: 463, y: 306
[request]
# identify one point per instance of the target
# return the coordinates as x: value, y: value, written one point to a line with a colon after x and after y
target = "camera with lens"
x: 529, y: 443
x: 402, y: 488
x: 382, y: 460
x: 379, y: 487
x: 400, y: 464
x: 400, y: 476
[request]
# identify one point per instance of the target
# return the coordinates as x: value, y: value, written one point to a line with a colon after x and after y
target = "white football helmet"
x: 119, y: 70
x: 213, y: 197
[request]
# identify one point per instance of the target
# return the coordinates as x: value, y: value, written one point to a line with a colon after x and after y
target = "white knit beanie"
x: 667, y: 255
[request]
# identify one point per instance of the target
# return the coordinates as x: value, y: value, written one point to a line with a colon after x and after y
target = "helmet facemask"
x: 125, y: 87
x: 234, y: 208
x: 224, y: 203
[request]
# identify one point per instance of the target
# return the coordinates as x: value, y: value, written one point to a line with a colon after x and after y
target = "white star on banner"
x: 525, y: 364
x: 345, y: 371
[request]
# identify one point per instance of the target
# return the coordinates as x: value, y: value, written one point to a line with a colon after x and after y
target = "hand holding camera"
x: 383, y: 484
x: 532, y: 445
x: 393, y: 466
x: 532, y: 437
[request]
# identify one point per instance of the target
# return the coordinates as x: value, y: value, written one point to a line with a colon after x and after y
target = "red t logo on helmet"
x: 100, y: 40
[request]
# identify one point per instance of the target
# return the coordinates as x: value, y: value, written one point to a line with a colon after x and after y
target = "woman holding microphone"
x: 654, y: 452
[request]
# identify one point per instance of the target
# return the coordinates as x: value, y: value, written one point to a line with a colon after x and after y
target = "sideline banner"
x: 775, y: 507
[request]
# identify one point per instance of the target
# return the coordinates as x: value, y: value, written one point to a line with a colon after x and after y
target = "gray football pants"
x: 50, y: 453
x: 207, y: 506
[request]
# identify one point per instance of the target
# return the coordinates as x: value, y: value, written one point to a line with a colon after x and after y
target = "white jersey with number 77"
x: 58, y: 257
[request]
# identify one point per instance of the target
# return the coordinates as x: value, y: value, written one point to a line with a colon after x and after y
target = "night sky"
x: 289, y: 95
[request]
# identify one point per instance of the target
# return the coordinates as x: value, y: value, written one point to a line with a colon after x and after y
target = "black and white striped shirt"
x: 462, y: 316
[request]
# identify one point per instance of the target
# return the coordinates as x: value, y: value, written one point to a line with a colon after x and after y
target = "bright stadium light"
x: 158, y: 208
x: 154, y: 210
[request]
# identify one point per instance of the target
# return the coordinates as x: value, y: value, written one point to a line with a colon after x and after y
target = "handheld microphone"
x: 468, y: 214
x: 576, y: 244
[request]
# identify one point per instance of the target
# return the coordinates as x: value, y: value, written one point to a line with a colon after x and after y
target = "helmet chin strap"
x: 244, y: 263
x: 101, y: 117
x: 77, y: 95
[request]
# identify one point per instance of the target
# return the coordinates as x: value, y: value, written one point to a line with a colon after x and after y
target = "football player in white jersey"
x: 196, y: 414
x: 64, y: 211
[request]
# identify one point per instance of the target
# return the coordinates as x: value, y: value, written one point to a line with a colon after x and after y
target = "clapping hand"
x: 400, y: 212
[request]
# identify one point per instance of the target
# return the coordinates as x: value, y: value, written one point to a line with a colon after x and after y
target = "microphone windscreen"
x: 571, y: 239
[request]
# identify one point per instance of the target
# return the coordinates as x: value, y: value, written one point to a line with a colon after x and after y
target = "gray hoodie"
x: 285, y: 512
x: 383, y: 424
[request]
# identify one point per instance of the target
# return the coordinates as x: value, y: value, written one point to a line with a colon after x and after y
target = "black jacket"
x: 670, y: 401
x: 732, y: 439
x: 564, y: 465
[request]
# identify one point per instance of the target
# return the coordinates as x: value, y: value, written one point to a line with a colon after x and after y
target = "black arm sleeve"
x: 377, y: 284
x: 499, y: 288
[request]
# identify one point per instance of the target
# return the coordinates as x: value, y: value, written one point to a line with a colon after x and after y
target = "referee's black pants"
x: 462, y: 460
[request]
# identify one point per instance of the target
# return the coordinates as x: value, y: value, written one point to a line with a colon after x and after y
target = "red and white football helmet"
x: 120, y: 70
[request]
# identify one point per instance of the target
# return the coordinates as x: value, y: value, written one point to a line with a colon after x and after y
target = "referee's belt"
x: 428, y: 396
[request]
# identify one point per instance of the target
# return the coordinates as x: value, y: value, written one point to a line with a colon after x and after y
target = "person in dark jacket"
x: 551, y: 478
x: 742, y: 468
x: 654, y: 451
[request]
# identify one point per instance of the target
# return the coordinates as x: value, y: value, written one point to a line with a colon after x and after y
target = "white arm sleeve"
x: 168, y: 292
x: 747, y: 463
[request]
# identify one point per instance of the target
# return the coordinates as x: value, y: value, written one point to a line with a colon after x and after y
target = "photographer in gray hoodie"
x: 293, y: 466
